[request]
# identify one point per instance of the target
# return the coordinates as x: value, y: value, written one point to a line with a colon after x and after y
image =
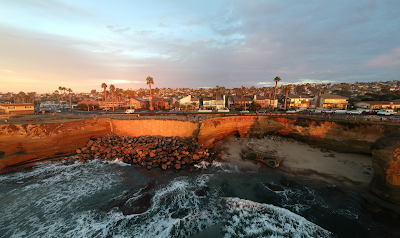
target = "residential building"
x: 162, y: 103
x: 235, y: 100
x: 330, y: 101
x: 189, y: 100
x: 139, y: 103
x: 212, y: 103
x: 298, y: 101
x: 265, y: 102
x: 17, y: 108
x: 377, y: 104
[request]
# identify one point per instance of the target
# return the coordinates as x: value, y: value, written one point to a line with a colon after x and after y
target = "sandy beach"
x: 300, y: 159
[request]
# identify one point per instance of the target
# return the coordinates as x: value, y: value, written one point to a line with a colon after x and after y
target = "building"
x: 17, y: 108
x: 377, y: 104
x: 265, y: 102
x: 298, y: 101
x: 139, y: 103
x: 235, y: 100
x: 330, y: 101
x: 216, y: 104
x: 162, y: 103
x: 189, y: 100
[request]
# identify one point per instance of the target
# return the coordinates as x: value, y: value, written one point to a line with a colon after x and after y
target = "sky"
x: 45, y: 44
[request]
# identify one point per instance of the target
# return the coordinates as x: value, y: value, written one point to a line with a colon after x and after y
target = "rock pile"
x: 148, y: 151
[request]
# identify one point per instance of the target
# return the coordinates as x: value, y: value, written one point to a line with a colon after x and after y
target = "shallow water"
x: 56, y: 200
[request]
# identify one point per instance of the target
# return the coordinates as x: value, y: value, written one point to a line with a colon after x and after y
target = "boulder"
x: 202, y: 192
x: 386, y: 165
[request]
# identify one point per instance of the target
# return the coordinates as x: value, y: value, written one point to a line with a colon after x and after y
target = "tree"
x: 189, y: 107
x: 131, y: 94
x: 194, y: 105
x: 276, y: 79
x: 217, y: 89
x: 104, y: 86
x: 287, y: 89
x: 112, y: 89
x: 177, y: 105
x: 150, y: 81
x: 69, y: 94
x: 22, y: 96
x: 183, y: 107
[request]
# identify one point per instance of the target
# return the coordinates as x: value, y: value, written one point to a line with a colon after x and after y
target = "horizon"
x: 195, y: 44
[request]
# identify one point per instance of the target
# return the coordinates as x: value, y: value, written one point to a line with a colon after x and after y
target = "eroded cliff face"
x: 21, y: 143
x: 386, y: 164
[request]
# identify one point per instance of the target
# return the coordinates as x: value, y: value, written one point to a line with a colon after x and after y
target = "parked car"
x: 291, y: 111
x: 129, y: 111
x: 370, y: 112
x: 244, y: 111
x: 386, y: 112
x: 262, y: 111
x: 330, y: 111
x: 354, y: 112
x: 106, y: 109
x: 58, y: 110
x: 306, y: 111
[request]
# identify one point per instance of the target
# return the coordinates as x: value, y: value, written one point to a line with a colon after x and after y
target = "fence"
x: 202, y: 117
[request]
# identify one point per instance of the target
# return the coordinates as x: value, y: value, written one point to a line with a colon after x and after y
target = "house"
x: 265, y: 102
x: 330, y: 101
x: 189, y: 100
x: 298, y: 101
x: 17, y: 108
x: 139, y: 103
x: 213, y: 103
x: 235, y: 100
x: 162, y: 103
x: 377, y: 104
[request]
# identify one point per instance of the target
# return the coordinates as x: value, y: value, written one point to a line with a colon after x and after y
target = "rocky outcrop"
x: 386, y: 164
x: 147, y: 151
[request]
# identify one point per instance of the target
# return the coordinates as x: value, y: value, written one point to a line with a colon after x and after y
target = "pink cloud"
x: 388, y: 60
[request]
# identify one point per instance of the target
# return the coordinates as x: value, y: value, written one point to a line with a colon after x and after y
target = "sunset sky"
x: 80, y: 44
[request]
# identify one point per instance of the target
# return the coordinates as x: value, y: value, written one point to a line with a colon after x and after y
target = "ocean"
x: 53, y: 199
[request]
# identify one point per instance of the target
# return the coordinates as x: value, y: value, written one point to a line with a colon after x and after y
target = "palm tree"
x: 217, y: 90
x: 177, y: 105
x: 194, y: 105
x: 131, y: 94
x: 276, y: 79
x: 104, y: 86
x: 183, y: 107
x: 112, y: 89
x: 287, y: 89
x: 69, y: 94
x: 60, y: 90
x: 150, y: 81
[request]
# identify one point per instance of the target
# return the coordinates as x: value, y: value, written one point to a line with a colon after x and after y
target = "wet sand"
x: 302, y: 160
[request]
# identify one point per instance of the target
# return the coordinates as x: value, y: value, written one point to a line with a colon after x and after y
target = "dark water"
x: 56, y: 200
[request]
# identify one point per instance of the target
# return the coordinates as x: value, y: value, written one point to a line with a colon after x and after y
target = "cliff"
x: 21, y: 143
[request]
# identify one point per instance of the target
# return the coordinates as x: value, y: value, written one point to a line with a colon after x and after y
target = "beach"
x: 302, y: 160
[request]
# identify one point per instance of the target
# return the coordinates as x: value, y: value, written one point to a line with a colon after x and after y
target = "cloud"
x: 388, y: 60
x: 117, y: 29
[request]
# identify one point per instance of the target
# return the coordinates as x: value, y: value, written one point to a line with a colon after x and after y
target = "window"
x: 26, y: 107
x: 11, y: 107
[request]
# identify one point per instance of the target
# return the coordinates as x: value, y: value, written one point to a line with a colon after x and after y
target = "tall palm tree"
x: 57, y: 95
x: 112, y: 89
x: 60, y: 90
x: 217, y: 90
x: 69, y: 94
x: 276, y: 79
x: 287, y: 89
x: 104, y: 86
x: 150, y: 81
